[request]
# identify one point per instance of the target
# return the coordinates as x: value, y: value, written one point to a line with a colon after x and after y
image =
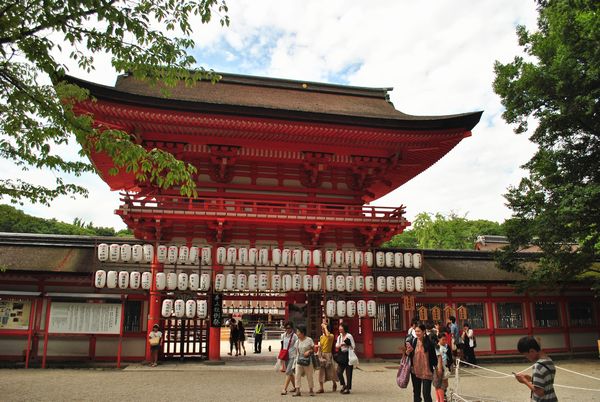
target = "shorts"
x: 155, y: 347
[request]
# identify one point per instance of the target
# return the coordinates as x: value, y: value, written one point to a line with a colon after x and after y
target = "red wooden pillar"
x: 367, y: 326
x: 30, y: 332
x: 154, y: 302
x: 214, y: 333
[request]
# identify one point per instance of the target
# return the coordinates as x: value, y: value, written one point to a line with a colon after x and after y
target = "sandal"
x: 297, y: 393
x: 284, y: 392
x: 321, y: 391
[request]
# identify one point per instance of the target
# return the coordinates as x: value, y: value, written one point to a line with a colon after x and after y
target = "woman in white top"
x: 344, y: 342
x: 305, y: 350
x: 468, y: 338
x: 289, y: 341
x: 155, y: 340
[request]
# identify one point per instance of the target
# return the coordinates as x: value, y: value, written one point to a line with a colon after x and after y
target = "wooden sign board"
x: 216, y: 310
x: 409, y: 303
x: 436, y: 313
x: 423, y: 313
x: 461, y: 312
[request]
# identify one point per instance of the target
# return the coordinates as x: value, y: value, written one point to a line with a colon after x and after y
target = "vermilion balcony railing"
x: 245, y: 208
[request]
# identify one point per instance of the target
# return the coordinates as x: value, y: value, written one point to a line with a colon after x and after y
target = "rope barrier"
x: 575, y: 372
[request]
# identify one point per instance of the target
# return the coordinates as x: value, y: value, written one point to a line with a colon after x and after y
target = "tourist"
x: 233, y: 337
x: 541, y: 382
x: 259, y: 330
x: 344, y: 343
x: 304, y: 361
x: 155, y: 340
x: 468, y: 342
x: 454, y: 332
x: 443, y: 351
x: 421, y: 351
x: 327, y: 372
x: 411, y: 331
x: 241, y: 337
x: 289, y: 341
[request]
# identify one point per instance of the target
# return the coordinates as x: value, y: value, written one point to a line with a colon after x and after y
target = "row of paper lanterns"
x: 181, y: 308
x: 253, y: 256
x: 257, y: 282
x: 350, y: 308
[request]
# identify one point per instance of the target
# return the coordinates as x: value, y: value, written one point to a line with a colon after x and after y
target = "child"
x: 541, y: 383
x: 438, y: 373
x: 446, y: 354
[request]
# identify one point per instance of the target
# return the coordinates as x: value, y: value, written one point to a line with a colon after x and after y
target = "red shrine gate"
x: 281, y: 165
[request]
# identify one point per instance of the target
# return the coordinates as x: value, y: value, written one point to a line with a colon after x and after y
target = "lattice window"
x: 510, y: 315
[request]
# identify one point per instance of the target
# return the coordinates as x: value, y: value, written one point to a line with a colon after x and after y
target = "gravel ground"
x: 252, y: 380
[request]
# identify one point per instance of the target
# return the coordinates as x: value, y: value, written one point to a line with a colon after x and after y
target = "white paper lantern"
x: 193, y: 256
x: 202, y: 309
x: 167, y: 308
x: 252, y: 256
x: 172, y: 254
x: 350, y: 308
x: 231, y: 256
x: 263, y: 282
x: 328, y: 258
x: 182, y: 281
x: 330, y: 283
x: 297, y: 257
x: 123, y: 280
x: 263, y: 257
x: 349, y: 283
x: 137, y: 253
x: 296, y: 282
x: 184, y: 254
x: 340, y: 283
x: 219, y: 282
x: 409, y: 284
x: 146, y: 281
x: 190, y: 308
x: 287, y: 282
x: 276, y: 256
x: 380, y: 259
x: 135, y: 279
x: 339, y: 257
x: 419, y: 284
x: 100, y: 279
x: 398, y: 260
x: 358, y: 258
x: 161, y: 254
x: 400, y: 284
x: 230, y: 282
x: 407, y: 260
x: 194, y: 282
x: 371, y: 308
x: 349, y: 258
x: 369, y: 258
x: 205, y: 280
x: 316, y: 283
x: 171, y: 281
x: 417, y: 261
x: 306, y: 257
x: 148, y: 251
x: 389, y: 259
x: 390, y: 284
x: 161, y: 281
x: 276, y: 283
x: 221, y: 255
x: 330, y: 308
x: 206, y: 258
x: 341, y: 308
x: 361, y: 308
x: 381, y: 284
x: 179, y: 308
x: 286, y: 257
x: 242, y: 282
x: 113, y: 252
x: 369, y: 283
x: 125, y: 252
x: 316, y: 258
x: 253, y: 282
x: 307, y: 284
x: 359, y: 283
x: 103, y: 252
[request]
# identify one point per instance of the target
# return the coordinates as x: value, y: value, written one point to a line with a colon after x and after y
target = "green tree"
x: 556, y: 84
x: 38, y: 36
x: 444, y: 232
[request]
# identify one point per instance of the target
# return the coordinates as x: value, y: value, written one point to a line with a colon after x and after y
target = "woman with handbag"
x: 327, y: 370
x: 289, y: 343
x: 155, y: 340
x: 421, y: 351
x: 344, y: 343
x: 304, y: 363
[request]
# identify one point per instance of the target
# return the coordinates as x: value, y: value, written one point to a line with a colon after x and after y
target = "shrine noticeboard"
x: 85, y: 318
x: 14, y: 314
x: 216, y: 310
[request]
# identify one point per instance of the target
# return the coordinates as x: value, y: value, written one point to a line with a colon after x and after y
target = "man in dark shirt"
x: 233, y: 337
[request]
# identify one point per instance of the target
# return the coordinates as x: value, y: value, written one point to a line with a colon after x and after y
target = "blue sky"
x: 438, y: 56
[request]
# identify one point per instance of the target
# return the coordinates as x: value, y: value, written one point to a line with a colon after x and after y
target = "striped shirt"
x: 543, y: 377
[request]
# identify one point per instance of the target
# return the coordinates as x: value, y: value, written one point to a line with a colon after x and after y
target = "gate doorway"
x: 185, y: 338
